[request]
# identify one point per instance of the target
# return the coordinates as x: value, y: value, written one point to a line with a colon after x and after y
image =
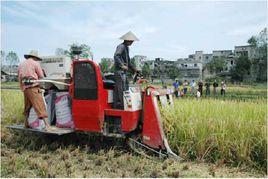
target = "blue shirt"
x: 176, y: 85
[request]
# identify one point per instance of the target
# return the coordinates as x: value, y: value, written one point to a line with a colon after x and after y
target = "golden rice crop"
x: 214, y: 130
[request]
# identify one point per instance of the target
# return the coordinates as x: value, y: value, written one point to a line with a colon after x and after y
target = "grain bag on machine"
x: 63, y: 110
x: 34, y: 122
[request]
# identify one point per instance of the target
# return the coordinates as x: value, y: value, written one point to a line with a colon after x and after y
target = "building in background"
x: 190, y: 68
x: 216, y: 54
x: 245, y: 50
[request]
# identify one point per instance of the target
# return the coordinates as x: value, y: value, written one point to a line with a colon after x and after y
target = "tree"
x: 173, y: 72
x: 13, y: 59
x: 105, y: 65
x: 133, y: 63
x: 74, y: 49
x: 2, y: 57
x: 259, y: 61
x: 253, y: 41
x: 86, y: 53
x: 146, y: 71
x: 241, y: 68
x: 217, y: 65
x: 61, y: 51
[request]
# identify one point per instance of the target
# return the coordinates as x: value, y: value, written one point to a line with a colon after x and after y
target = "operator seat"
x: 108, y: 81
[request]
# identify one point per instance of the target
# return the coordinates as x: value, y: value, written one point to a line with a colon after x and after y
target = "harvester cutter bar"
x: 167, y: 154
x: 133, y: 142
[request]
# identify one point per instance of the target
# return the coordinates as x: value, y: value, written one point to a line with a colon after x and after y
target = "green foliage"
x: 217, y: 65
x: 241, y: 68
x: 13, y: 59
x: 106, y: 65
x: 61, y: 51
x: 2, y: 56
x: 132, y: 62
x: 146, y: 71
x: 259, y: 61
x: 173, y: 72
x: 253, y: 41
x: 83, y: 50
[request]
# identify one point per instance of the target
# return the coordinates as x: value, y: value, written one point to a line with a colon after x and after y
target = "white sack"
x: 63, y: 111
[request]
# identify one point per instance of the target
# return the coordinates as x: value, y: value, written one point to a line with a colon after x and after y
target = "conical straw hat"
x: 129, y: 36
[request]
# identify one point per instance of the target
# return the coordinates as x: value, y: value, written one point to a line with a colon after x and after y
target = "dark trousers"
x: 176, y: 93
x: 184, y: 90
x: 200, y: 90
x: 121, y: 85
x: 222, y: 92
x: 207, y: 91
x: 214, y: 91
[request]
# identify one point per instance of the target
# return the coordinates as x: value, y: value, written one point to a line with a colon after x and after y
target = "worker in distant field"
x: 31, y: 69
x: 207, y: 84
x: 200, y: 87
x: 122, y: 65
x: 223, y: 88
x: 215, y: 85
x: 176, y: 86
x: 185, y: 86
x: 192, y: 85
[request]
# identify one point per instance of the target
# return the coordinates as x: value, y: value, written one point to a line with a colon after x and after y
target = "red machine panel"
x: 129, y: 119
x: 152, y: 130
x: 89, y: 98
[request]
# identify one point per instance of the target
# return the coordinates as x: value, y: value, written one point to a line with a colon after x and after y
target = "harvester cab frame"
x: 91, y: 105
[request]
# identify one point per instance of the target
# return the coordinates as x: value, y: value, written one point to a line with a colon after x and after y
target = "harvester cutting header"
x: 102, y: 104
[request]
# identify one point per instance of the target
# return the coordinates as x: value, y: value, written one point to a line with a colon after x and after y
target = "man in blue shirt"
x: 176, y: 86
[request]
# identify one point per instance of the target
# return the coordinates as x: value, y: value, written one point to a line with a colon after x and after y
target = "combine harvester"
x: 91, y: 106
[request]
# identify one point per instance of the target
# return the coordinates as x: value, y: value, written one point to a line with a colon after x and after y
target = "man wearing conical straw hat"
x: 30, y: 69
x: 122, y: 65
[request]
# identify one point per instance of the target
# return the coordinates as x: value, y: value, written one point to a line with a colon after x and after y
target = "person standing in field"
x: 200, y: 87
x: 176, y: 86
x: 207, y: 84
x: 192, y: 85
x: 185, y: 85
x: 198, y: 94
x: 223, y: 88
x: 30, y: 69
x: 215, y: 85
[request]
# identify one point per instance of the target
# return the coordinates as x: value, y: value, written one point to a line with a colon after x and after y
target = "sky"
x: 170, y: 30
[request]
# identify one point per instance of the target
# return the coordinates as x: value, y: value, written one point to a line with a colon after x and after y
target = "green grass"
x: 11, y: 106
x: 10, y: 85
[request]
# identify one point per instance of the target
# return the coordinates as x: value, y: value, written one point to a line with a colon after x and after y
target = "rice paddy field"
x: 218, y: 137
